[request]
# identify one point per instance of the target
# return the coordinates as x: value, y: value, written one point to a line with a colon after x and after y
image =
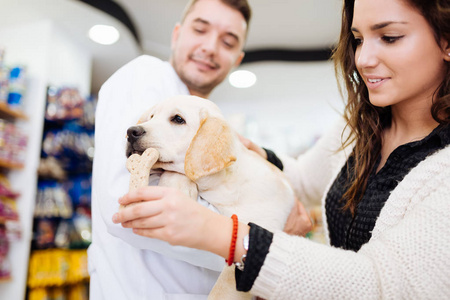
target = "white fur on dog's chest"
x: 265, y: 198
x: 206, y: 155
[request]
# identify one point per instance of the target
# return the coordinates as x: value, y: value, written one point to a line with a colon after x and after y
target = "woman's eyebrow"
x: 380, y: 25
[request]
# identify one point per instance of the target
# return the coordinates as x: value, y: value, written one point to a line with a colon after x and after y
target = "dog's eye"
x: 177, y: 119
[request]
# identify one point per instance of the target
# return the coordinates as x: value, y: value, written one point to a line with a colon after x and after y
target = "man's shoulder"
x: 142, y: 70
x: 144, y: 64
x: 146, y: 59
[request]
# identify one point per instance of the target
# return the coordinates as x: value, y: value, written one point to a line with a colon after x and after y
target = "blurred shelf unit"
x: 13, y: 143
x: 51, y: 57
x: 62, y: 214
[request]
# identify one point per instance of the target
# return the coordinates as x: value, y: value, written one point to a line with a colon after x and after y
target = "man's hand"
x: 166, y: 214
x: 252, y: 146
x: 298, y: 222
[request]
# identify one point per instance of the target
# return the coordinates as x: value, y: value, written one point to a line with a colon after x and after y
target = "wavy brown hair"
x: 241, y: 6
x: 366, y: 121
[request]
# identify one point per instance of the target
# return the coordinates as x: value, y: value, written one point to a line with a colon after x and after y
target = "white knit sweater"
x: 408, y: 256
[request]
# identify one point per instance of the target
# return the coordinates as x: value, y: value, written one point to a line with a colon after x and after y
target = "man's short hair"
x: 240, y: 5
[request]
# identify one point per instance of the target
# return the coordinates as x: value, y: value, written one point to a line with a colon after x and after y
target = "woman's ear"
x: 446, y: 49
x: 447, y: 56
x: 211, y: 150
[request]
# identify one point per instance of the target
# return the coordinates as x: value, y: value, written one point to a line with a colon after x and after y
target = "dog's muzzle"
x: 134, y: 133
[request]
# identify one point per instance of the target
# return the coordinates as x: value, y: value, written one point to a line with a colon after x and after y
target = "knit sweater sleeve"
x: 407, y: 258
x: 311, y: 173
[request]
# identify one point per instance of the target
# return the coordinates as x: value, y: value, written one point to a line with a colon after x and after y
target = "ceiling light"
x: 242, y: 79
x: 104, y: 34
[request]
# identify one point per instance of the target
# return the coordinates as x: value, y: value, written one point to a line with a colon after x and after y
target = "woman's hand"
x: 298, y: 222
x: 252, y: 146
x: 168, y: 214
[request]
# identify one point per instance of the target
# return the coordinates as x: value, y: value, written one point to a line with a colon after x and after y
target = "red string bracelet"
x: 233, y: 240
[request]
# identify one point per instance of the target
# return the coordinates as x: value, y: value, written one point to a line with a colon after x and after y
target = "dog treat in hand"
x: 139, y: 167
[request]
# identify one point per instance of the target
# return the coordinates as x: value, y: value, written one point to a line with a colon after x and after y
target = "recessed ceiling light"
x: 104, y: 34
x: 242, y: 79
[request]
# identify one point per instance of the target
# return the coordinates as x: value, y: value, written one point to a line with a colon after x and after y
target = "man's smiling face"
x: 207, y: 45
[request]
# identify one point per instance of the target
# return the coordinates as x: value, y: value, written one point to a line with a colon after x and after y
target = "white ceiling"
x: 282, y: 24
x: 292, y: 24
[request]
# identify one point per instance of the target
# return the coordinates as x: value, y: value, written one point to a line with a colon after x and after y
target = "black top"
x: 351, y: 233
x: 274, y: 159
x: 345, y: 231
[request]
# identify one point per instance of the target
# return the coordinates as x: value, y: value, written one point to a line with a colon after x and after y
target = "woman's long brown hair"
x: 367, y: 122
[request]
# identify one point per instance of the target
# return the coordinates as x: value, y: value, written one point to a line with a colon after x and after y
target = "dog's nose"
x: 134, y: 133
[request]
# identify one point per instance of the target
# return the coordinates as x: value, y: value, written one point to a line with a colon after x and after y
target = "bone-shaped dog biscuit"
x: 139, y: 167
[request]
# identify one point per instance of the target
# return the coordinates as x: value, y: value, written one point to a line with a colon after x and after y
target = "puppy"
x: 202, y: 155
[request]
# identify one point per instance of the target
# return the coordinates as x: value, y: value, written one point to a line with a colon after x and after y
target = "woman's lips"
x: 375, y: 82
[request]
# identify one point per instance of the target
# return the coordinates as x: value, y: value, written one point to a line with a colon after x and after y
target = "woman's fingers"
x: 298, y: 222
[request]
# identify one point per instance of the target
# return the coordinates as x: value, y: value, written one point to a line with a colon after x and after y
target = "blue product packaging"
x: 16, y: 86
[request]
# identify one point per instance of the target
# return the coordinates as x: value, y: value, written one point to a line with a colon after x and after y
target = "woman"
x: 383, y: 175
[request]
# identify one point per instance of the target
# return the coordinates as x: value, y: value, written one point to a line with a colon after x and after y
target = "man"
x: 205, y: 47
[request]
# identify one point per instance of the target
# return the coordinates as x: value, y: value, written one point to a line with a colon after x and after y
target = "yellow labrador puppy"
x: 202, y: 155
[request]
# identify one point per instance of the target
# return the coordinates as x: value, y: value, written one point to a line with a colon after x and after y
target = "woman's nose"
x: 366, y: 55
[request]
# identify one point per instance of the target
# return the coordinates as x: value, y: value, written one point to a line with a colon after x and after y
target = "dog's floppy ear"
x: 211, y: 149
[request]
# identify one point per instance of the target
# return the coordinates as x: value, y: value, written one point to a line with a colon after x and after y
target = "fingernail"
x: 115, y: 217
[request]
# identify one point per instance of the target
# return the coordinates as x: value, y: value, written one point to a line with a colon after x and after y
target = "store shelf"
x: 10, y: 165
x: 62, y: 60
x: 7, y: 112
x: 8, y: 279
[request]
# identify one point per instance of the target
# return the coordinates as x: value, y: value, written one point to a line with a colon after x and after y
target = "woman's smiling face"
x: 396, y: 54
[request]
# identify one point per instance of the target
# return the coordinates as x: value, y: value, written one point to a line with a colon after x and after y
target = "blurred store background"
x: 50, y: 74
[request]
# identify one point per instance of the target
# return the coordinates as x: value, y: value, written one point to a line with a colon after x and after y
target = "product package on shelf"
x: 13, y: 143
x: 12, y: 84
x: 9, y: 225
x: 64, y: 104
x: 16, y: 87
x: 54, y: 268
x: 79, y: 291
x: 62, y: 218
x: 71, y: 145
